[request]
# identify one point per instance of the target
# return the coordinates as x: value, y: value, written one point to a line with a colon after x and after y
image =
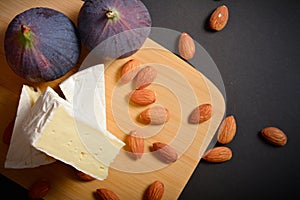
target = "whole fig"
x: 41, y: 44
x: 123, y: 25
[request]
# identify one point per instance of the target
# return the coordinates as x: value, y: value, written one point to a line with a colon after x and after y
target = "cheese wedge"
x: 85, y: 90
x: 61, y: 135
x: 20, y: 152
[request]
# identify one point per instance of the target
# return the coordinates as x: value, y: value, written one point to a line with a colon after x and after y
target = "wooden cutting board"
x: 179, y: 87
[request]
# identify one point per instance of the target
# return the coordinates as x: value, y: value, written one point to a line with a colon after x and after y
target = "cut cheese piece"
x: 70, y: 139
x: 85, y: 90
x: 20, y: 152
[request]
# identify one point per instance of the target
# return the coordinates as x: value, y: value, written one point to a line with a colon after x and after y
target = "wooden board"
x: 179, y: 87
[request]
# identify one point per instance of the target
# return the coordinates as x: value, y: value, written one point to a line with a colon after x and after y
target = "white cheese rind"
x: 69, y: 139
x: 20, y: 153
x: 85, y: 90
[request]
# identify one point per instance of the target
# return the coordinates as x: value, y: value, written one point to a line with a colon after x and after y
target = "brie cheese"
x: 61, y: 135
x: 85, y: 90
x: 20, y: 152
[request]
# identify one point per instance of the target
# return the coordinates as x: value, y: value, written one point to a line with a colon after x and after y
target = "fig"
x: 122, y: 25
x: 41, y: 44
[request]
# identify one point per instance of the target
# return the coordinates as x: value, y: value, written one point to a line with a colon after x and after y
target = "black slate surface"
x: 257, y: 55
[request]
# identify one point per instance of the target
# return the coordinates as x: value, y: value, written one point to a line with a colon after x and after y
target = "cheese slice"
x: 85, y: 90
x: 20, y: 152
x: 70, y: 139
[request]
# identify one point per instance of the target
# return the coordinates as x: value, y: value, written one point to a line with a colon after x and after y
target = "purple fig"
x: 122, y: 25
x: 41, y: 44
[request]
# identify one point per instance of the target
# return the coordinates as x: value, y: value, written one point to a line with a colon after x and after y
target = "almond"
x: 274, y: 135
x: 164, y: 152
x: 219, y: 18
x: 83, y: 176
x: 143, y: 97
x: 135, y: 142
x: 155, y: 115
x: 155, y: 191
x: 218, y: 154
x: 8, y: 132
x: 227, y: 130
x: 186, y: 46
x: 105, y: 194
x: 130, y: 70
x: 39, y: 189
x: 200, y: 114
x: 145, y: 77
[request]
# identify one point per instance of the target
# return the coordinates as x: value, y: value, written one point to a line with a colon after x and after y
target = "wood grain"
x: 128, y: 178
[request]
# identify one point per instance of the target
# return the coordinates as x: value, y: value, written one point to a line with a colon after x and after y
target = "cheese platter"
x: 179, y: 87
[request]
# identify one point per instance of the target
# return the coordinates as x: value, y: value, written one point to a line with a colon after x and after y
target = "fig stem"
x: 110, y: 14
x: 27, y: 36
x: 25, y: 29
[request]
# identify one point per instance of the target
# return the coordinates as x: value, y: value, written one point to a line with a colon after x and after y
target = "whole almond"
x: 105, y: 194
x: 130, y: 70
x: 164, y: 152
x: 227, y: 130
x: 200, y: 114
x: 143, y: 97
x: 145, y: 77
x: 154, y: 191
x: 219, y: 18
x: 39, y: 189
x: 135, y: 142
x: 155, y: 115
x: 83, y: 176
x: 6, y: 137
x: 186, y: 46
x: 274, y: 135
x: 218, y: 154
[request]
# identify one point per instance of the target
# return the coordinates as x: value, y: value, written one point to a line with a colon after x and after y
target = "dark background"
x: 257, y: 55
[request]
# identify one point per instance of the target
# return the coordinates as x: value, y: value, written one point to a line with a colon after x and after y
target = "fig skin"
x: 99, y: 21
x: 41, y: 44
